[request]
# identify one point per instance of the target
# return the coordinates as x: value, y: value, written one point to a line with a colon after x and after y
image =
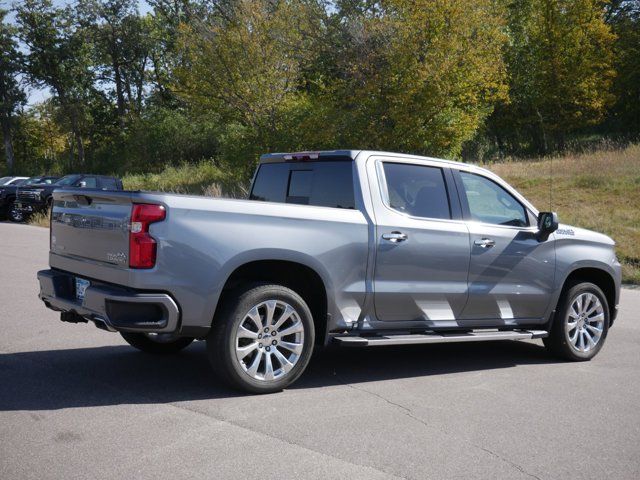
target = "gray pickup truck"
x: 357, y: 248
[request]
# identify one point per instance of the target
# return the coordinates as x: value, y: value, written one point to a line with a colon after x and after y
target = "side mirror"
x: 547, y: 224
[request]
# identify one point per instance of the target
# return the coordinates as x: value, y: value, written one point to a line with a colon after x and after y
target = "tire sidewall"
x: 16, y: 216
x: 561, y: 318
x: 238, y: 311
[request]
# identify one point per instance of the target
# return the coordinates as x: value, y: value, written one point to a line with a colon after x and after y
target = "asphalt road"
x: 78, y: 403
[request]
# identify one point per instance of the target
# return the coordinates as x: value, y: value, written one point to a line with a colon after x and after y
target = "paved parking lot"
x: 77, y: 402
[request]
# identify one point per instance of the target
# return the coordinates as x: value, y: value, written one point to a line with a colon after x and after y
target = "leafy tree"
x: 58, y: 58
x: 560, y: 60
x: 121, y: 47
x: 12, y: 96
x: 624, y: 18
x: 246, y: 64
x: 417, y: 76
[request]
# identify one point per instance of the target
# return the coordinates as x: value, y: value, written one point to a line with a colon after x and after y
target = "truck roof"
x: 328, y: 155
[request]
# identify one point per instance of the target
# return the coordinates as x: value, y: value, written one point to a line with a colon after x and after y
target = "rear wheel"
x: 262, y: 340
x: 581, y: 323
x: 158, y: 343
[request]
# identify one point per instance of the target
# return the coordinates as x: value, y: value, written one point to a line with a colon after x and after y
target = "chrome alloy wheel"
x: 584, y: 323
x: 269, y: 340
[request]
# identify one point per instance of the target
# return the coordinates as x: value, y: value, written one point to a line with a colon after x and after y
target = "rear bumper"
x: 113, y: 308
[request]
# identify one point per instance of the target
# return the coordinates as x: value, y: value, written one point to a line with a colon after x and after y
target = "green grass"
x: 203, y: 178
x: 599, y: 191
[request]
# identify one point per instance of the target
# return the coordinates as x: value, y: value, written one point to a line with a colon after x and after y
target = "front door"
x: 422, y: 254
x: 511, y: 273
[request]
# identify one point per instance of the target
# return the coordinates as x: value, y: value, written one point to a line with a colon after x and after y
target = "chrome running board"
x: 422, y: 338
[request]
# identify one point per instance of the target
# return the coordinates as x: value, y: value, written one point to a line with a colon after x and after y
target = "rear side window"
x: 417, y: 190
x: 322, y: 184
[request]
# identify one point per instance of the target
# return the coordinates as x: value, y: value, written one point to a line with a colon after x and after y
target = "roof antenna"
x: 551, y: 183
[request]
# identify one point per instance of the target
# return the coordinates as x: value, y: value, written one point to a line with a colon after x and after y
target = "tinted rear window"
x: 107, y: 183
x: 324, y: 184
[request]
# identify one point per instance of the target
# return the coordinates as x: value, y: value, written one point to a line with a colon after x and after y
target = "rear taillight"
x: 142, y: 246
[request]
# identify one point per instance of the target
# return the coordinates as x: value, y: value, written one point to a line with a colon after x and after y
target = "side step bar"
x: 421, y: 338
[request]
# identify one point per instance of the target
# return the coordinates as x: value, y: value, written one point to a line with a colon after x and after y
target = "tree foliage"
x: 229, y: 79
x: 12, y: 96
x: 561, y: 69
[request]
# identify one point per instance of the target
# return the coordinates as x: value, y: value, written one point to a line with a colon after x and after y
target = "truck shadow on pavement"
x: 113, y: 375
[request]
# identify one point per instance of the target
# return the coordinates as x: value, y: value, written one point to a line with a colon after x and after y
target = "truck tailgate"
x: 93, y: 225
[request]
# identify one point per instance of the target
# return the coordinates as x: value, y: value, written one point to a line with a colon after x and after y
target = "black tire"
x: 221, y: 341
x: 558, y: 341
x: 160, y: 346
x: 16, y: 215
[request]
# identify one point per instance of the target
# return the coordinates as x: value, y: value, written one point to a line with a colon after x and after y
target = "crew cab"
x: 37, y: 197
x: 357, y: 248
x: 8, y: 193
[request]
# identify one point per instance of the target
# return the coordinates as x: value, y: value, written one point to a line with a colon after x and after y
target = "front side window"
x: 490, y: 203
x: 417, y: 190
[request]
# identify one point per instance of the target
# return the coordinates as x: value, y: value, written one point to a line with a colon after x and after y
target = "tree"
x: 12, y: 96
x: 560, y: 60
x: 58, y: 57
x: 418, y: 76
x: 245, y: 64
x: 121, y: 50
x: 624, y: 18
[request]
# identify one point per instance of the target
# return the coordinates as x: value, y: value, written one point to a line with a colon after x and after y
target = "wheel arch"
x: 598, y: 276
x: 299, y: 277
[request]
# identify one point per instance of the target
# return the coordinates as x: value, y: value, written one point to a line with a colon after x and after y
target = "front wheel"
x: 157, y: 343
x: 16, y: 215
x: 262, y: 340
x: 581, y: 323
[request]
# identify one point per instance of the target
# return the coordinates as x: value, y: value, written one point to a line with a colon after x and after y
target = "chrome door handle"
x: 395, y: 237
x: 485, y: 243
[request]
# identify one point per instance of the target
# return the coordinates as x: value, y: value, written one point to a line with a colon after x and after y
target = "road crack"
x: 409, y: 413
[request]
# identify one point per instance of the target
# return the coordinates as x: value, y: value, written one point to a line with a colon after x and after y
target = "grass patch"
x: 40, y: 219
x: 598, y: 191
x: 204, y: 178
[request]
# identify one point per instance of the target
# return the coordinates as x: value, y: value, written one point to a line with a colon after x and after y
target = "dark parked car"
x: 8, y: 191
x: 36, y: 198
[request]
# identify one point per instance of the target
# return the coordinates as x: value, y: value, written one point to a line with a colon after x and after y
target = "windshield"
x: 68, y: 180
x: 5, y: 180
x: 32, y: 180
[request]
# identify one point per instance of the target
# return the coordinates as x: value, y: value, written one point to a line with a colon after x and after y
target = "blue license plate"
x: 81, y: 287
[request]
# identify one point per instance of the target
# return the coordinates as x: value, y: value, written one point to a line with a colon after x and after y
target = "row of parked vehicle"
x: 21, y: 197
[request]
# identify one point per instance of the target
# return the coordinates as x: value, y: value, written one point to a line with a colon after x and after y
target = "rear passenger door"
x: 422, y: 255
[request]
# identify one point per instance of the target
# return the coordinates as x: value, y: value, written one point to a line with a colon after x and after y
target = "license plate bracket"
x: 81, y: 288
